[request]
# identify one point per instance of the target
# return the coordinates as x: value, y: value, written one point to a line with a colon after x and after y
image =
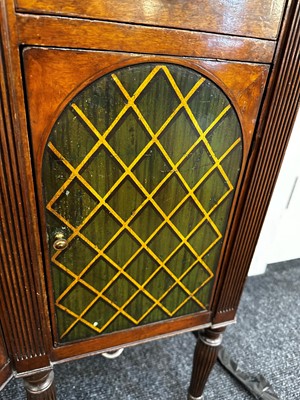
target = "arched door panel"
x: 139, y: 174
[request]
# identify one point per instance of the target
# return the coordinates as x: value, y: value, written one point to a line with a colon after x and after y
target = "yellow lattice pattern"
x: 125, y: 225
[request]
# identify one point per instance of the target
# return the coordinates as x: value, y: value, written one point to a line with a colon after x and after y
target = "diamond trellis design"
x: 148, y: 227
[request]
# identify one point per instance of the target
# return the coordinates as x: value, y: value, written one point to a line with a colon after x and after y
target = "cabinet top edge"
x: 77, y: 33
x: 249, y: 18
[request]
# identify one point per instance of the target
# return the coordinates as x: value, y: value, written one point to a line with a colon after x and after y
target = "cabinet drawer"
x: 259, y: 18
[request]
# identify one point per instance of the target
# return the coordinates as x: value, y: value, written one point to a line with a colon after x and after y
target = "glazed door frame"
x: 48, y: 60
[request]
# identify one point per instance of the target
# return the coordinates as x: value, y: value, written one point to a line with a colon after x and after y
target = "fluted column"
x: 205, y: 356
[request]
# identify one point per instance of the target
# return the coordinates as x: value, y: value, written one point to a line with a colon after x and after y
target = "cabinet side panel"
x: 22, y: 311
x: 275, y: 129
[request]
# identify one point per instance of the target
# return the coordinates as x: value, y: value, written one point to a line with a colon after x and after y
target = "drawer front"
x: 258, y: 19
x: 137, y: 171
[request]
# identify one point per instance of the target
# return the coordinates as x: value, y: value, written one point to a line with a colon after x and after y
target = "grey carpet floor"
x: 266, y: 339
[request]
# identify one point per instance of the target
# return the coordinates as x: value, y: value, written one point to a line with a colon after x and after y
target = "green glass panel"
x: 158, y: 286
x: 78, y: 298
x: 137, y: 306
x: 159, y: 96
x: 119, y: 199
x: 101, y: 228
x: 100, y: 313
x: 133, y: 77
x: 204, y: 236
x: 101, y: 102
x: 152, y: 168
x: 170, y: 194
x: 187, y: 217
x: 77, y: 256
x: 180, y: 123
x: 139, y: 175
x: 142, y: 267
x: 212, y: 190
x: 224, y: 134
x: 128, y: 138
x: 168, y: 301
x: 146, y: 222
x: 164, y: 242
x: 102, y: 171
x: 75, y: 203
x: 120, y: 291
x: 99, y: 273
x: 79, y: 143
x: 59, y: 173
x: 63, y: 280
x: 122, y: 248
x: 181, y: 261
x: 212, y: 102
x: 199, y: 161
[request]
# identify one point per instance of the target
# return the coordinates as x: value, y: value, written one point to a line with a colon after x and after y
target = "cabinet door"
x: 138, y: 163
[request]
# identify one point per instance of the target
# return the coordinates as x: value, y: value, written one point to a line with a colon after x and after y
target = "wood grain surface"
x: 86, y: 34
x: 253, y: 18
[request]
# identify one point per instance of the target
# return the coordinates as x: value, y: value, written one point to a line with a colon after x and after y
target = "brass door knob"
x: 60, y: 242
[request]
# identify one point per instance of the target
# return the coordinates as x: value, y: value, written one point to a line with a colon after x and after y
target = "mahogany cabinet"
x: 140, y: 143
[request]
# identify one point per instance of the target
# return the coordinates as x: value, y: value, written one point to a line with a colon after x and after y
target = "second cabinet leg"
x: 40, y: 386
x: 205, y: 356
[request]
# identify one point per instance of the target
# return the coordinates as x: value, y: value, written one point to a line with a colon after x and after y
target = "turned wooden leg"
x: 205, y: 356
x: 40, y: 386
